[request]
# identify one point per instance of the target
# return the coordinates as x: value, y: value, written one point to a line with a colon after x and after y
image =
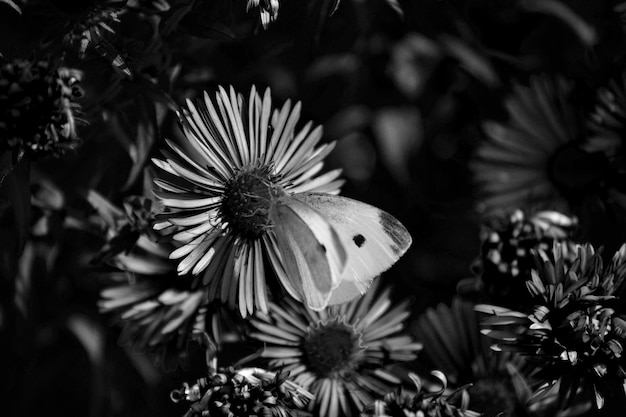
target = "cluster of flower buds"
x: 268, y: 10
x: 243, y: 392
x: 37, y: 108
x: 507, y: 252
x: 575, y: 325
x: 423, y: 403
x: 92, y: 21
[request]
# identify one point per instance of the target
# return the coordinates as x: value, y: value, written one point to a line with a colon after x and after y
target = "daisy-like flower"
x: 534, y: 160
x: 268, y: 10
x: 506, y: 257
x: 245, y: 392
x: 159, y: 310
x: 574, y: 330
x: 454, y: 345
x: 220, y: 189
x: 342, y: 354
x: 423, y: 403
x: 38, y: 108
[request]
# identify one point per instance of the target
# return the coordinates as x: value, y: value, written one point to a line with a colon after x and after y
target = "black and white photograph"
x: 312, y: 208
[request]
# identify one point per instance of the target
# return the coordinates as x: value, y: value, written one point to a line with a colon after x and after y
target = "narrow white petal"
x: 238, y: 129
x: 253, y: 124
x: 229, y: 140
x: 224, y: 140
x: 200, y: 132
x: 318, y: 155
x: 318, y: 184
x: 164, y: 166
x: 206, y: 216
x: 278, y: 124
x: 286, y: 136
x: 204, y: 261
x: 304, y: 151
x: 264, y: 125
x: 186, y: 264
x: 192, y: 233
x: 293, y: 147
x: 258, y: 273
x: 186, y: 248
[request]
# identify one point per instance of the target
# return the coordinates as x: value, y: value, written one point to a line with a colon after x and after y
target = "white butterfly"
x: 333, y: 247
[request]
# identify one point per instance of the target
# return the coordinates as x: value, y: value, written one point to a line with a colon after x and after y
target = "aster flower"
x: 38, y: 108
x: 268, y: 10
x: 244, y: 188
x: 423, y: 403
x: 245, y: 392
x: 454, y: 345
x: 220, y: 186
x: 159, y: 310
x: 574, y: 329
x: 342, y: 354
x: 506, y: 257
x: 534, y: 160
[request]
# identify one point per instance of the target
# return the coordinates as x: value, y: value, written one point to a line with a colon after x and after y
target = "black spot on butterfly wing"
x: 396, y: 231
x: 359, y: 240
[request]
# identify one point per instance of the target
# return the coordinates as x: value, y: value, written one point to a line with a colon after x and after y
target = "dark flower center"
x: 493, y: 395
x: 248, y: 199
x: 37, y: 106
x: 330, y: 348
x: 574, y: 170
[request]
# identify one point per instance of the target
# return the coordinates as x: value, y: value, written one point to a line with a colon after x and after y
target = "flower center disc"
x: 247, y: 201
x: 329, y: 348
x: 574, y: 170
x: 493, y: 394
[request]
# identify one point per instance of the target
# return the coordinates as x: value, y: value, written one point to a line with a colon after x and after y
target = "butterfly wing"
x: 311, y: 251
x: 373, y: 239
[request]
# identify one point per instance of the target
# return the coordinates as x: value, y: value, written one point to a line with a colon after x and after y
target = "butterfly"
x: 333, y: 247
